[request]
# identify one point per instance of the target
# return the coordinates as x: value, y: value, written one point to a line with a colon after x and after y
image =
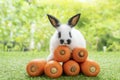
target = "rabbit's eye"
x: 70, y: 34
x: 59, y: 34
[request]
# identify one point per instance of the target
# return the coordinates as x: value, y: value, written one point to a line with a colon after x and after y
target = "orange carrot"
x: 71, y: 68
x: 35, y: 67
x: 90, y: 68
x: 79, y: 54
x: 53, y: 69
x: 62, y: 53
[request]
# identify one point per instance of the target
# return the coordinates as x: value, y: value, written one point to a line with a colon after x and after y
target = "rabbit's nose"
x: 68, y: 41
x: 61, y: 41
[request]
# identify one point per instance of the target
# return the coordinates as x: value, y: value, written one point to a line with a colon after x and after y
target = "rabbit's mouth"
x: 67, y: 42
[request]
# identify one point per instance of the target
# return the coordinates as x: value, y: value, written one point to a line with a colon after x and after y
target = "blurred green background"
x: 24, y: 24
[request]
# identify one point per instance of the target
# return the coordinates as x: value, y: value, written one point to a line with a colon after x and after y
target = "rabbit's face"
x: 64, y: 30
x: 64, y: 34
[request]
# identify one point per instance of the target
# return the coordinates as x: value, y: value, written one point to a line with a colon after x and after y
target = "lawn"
x: 13, y: 64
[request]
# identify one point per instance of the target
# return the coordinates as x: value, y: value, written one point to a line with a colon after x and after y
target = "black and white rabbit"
x: 65, y: 34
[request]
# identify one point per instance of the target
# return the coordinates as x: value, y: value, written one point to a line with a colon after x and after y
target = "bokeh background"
x: 24, y: 25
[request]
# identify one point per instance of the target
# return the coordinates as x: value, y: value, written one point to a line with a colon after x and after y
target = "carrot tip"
x: 54, y: 70
x: 62, y: 52
x: 92, y: 69
x: 81, y: 54
x: 33, y: 68
x: 73, y: 69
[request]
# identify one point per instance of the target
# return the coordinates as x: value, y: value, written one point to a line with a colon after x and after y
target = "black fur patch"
x: 61, y: 41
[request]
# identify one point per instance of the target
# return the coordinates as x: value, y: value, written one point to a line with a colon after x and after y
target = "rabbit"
x: 65, y: 34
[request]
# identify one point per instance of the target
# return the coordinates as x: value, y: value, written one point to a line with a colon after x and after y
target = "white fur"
x: 77, y: 39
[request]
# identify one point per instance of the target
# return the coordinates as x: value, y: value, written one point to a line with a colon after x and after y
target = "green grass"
x: 13, y: 64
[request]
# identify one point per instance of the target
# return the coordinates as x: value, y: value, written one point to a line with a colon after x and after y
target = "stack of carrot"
x: 73, y: 62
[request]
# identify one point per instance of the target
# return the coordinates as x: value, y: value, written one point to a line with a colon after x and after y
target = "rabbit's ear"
x: 53, y: 21
x: 73, y: 20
